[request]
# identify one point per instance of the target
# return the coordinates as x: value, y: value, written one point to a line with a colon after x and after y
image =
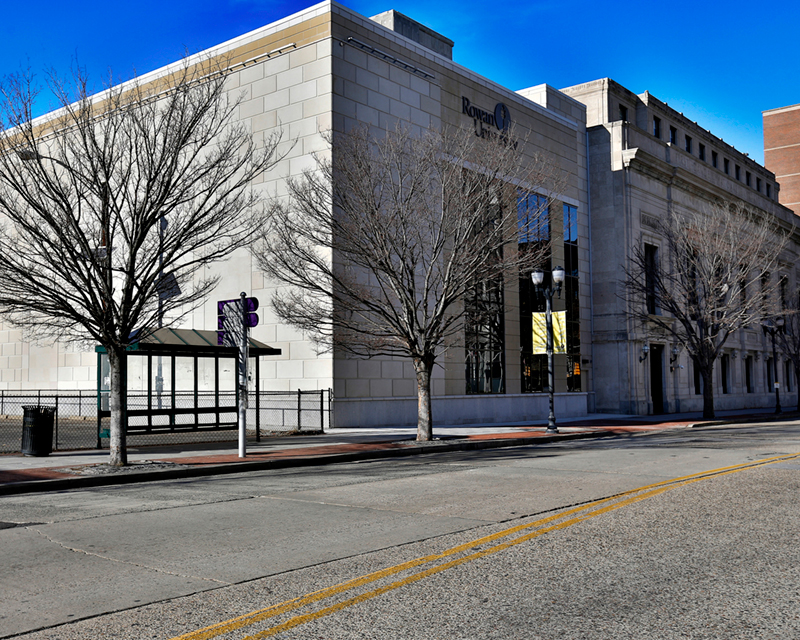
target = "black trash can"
x: 37, y: 431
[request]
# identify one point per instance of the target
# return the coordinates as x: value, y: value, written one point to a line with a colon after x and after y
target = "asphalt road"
x: 512, y: 543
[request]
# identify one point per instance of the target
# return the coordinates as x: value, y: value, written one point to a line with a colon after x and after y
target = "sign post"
x: 235, y: 317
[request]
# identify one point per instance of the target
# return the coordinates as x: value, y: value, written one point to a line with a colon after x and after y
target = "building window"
x: 783, y: 286
x: 726, y: 166
x: 769, y: 190
x: 650, y: 273
x: 747, y: 178
x: 737, y: 173
x: 533, y: 218
x: 571, y: 298
x: 657, y: 127
x: 673, y: 135
x: 534, y: 224
x: 623, y: 113
x: 714, y: 159
x: 748, y: 374
x: 688, y: 144
x: 485, y: 339
x: 758, y: 185
x: 725, y: 365
x: 698, y: 379
x: 701, y: 151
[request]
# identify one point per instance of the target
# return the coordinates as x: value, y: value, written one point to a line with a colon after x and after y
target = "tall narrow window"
x: 650, y: 277
x: 688, y: 144
x: 701, y: 151
x: 726, y: 166
x: 769, y: 190
x: 783, y: 291
x: 623, y: 113
x: 748, y: 374
x: 714, y: 159
x: 485, y: 338
x: 673, y: 135
x: 484, y: 328
x: 725, y: 366
x: 737, y: 173
x: 534, y: 233
x: 747, y: 178
x: 657, y: 127
x: 758, y: 184
x: 571, y: 298
x: 698, y: 379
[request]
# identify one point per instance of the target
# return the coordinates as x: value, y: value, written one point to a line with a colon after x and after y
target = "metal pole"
x: 775, y: 375
x: 242, y: 379
x: 551, y: 418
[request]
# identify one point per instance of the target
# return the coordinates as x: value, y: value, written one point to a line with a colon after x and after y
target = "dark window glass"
x: 788, y: 375
x: 725, y: 372
x: 657, y: 127
x: 747, y: 178
x: 697, y: 378
x: 572, y: 298
x: 701, y: 151
x: 726, y: 166
x: 714, y: 159
x: 748, y: 374
x: 533, y: 218
x: 738, y: 173
x: 688, y: 144
x: 623, y: 113
x: 673, y: 135
x: 485, y: 338
x: 769, y: 190
x: 650, y: 273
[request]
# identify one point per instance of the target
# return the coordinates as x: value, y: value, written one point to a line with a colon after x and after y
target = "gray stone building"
x: 327, y: 68
x: 646, y: 159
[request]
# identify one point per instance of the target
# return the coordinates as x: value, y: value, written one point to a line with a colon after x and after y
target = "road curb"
x: 83, y: 482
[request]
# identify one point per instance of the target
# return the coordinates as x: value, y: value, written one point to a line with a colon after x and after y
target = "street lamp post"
x: 555, y: 287
x: 771, y: 327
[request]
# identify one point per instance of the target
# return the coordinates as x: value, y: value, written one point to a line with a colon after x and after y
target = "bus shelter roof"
x: 191, y: 342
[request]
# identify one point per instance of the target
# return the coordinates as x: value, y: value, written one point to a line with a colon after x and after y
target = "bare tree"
x: 710, y: 278
x: 382, y: 244
x: 113, y: 205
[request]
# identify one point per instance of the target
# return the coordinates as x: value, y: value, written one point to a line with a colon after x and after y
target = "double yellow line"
x: 540, y: 527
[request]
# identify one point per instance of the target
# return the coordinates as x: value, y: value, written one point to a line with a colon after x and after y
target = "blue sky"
x: 720, y: 63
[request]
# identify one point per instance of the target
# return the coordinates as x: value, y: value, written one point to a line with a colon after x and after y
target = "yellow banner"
x: 539, y: 325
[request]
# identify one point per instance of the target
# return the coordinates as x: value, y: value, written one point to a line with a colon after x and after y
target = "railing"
x: 200, y: 417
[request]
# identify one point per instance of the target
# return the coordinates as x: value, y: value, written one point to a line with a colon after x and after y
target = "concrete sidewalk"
x: 75, y: 469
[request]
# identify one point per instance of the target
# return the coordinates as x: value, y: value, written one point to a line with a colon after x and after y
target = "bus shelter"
x: 179, y: 380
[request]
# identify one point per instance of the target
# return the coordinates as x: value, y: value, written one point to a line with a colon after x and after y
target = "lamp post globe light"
x: 557, y: 280
x: 772, y: 326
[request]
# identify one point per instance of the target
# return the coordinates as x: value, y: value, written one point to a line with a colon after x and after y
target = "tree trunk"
x: 424, y: 367
x: 707, y: 374
x: 118, y: 446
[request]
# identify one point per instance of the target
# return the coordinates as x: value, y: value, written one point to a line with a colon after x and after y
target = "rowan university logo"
x: 487, y: 122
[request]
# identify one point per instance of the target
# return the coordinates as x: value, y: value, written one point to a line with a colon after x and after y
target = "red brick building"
x: 782, y: 152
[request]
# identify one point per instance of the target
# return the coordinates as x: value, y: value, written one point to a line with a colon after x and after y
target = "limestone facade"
x: 644, y: 159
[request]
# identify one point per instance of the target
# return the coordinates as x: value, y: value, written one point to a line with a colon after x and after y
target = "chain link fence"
x: 204, y: 418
